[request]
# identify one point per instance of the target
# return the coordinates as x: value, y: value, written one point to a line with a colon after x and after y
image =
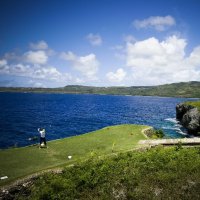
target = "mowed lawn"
x: 20, y: 162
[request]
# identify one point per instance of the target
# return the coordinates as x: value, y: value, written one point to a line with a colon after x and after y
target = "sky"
x: 54, y: 43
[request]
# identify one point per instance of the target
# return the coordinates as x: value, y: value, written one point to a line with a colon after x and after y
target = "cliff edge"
x: 189, y: 117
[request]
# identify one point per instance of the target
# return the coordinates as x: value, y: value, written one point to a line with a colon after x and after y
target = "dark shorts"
x: 43, y: 140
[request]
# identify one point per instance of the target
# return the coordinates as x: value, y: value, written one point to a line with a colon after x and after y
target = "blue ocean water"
x: 64, y: 115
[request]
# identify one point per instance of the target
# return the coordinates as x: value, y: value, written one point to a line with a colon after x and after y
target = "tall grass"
x: 159, y: 173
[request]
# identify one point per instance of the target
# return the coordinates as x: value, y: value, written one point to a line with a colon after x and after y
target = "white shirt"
x: 42, y: 133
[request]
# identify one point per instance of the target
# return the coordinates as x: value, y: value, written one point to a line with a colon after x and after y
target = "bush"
x: 158, y: 173
x: 158, y: 134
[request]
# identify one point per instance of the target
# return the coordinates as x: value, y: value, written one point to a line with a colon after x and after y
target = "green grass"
x: 158, y: 173
x: 20, y: 162
x: 194, y: 103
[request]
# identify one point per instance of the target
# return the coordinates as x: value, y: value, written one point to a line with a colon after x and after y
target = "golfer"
x: 42, y: 136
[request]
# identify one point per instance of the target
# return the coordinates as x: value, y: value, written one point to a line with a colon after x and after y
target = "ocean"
x: 65, y: 115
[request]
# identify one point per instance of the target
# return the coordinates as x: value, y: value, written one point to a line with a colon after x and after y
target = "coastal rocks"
x: 189, y: 117
x: 181, y: 109
x: 191, y: 120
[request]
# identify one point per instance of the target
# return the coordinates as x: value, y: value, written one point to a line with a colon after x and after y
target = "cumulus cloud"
x: 34, y: 65
x: 68, y: 56
x: 36, y: 57
x: 158, y: 22
x: 21, y: 70
x: 35, y: 71
x: 94, y: 39
x: 194, y: 58
x: 16, y: 69
x: 86, y: 65
x: 41, y: 45
x: 47, y: 72
x: 50, y: 73
x: 157, y: 62
x: 4, y: 69
x: 117, y: 76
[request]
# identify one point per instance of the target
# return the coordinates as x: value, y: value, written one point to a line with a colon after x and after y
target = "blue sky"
x: 98, y: 42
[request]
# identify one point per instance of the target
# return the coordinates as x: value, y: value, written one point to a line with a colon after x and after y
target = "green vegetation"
x: 19, y: 162
x: 184, y: 89
x: 154, y: 134
x: 158, y: 134
x: 194, y: 103
x: 158, y: 173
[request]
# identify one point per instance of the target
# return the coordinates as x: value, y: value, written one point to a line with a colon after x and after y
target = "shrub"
x: 158, y: 173
x: 158, y: 134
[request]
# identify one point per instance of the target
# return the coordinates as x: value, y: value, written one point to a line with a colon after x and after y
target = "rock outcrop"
x: 189, y: 117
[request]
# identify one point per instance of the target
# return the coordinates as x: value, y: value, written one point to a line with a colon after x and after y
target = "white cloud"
x: 17, y: 70
x: 151, y: 52
x: 68, y: 56
x: 194, y: 58
x: 50, y: 73
x: 158, y: 62
x: 36, y: 57
x: 3, y: 62
x: 41, y: 45
x: 35, y: 72
x: 157, y: 22
x: 86, y: 65
x: 33, y: 65
x: 21, y: 70
x: 4, y: 69
x: 94, y: 39
x: 47, y: 73
x: 118, y: 76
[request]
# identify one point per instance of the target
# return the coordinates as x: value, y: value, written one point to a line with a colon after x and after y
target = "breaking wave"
x: 173, y: 120
x: 175, y: 126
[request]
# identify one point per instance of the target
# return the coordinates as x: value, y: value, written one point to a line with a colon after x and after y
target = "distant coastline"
x: 182, y: 89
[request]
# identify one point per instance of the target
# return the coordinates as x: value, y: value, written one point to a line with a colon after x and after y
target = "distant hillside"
x: 183, y: 89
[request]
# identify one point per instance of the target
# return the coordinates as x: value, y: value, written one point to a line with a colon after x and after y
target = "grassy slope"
x: 158, y: 173
x: 19, y: 162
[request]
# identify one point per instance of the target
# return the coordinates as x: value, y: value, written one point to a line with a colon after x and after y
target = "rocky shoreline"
x: 189, y: 117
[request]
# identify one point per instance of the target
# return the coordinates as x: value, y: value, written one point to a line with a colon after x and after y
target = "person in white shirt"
x: 42, y: 136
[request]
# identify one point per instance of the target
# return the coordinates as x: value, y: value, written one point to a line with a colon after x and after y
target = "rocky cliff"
x: 189, y: 117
